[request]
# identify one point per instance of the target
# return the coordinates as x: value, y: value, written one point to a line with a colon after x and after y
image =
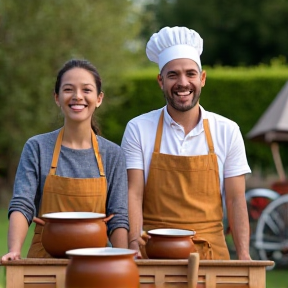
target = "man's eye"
x: 171, y: 76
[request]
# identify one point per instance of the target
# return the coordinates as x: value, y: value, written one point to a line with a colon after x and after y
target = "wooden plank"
x: 28, y: 273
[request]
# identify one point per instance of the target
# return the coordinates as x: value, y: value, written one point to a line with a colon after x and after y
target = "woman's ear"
x: 56, y: 97
x: 99, y: 99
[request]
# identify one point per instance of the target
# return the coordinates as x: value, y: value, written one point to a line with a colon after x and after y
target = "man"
x: 182, y: 160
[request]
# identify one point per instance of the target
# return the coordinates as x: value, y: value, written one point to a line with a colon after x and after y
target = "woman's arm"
x: 18, y: 227
x: 119, y: 238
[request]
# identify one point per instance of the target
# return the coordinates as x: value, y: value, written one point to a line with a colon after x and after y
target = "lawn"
x: 274, y: 279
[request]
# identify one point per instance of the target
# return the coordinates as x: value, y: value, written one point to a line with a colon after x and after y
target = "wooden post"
x: 192, y: 273
x: 277, y: 161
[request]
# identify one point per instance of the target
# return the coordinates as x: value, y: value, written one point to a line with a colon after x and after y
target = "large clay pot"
x: 102, y: 267
x: 65, y: 231
x: 169, y: 244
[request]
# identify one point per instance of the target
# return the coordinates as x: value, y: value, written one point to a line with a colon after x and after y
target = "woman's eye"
x: 67, y: 90
x: 87, y: 90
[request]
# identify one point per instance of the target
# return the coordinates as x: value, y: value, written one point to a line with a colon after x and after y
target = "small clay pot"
x: 169, y: 244
x: 102, y: 267
x: 65, y: 231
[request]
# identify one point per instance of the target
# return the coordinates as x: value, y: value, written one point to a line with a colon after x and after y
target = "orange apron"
x: 64, y: 194
x: 184, y: 192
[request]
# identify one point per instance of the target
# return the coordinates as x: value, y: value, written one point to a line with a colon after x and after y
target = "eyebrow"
x: 84, y: 84
x: 186, y: 71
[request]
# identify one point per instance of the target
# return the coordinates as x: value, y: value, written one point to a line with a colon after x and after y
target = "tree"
x: 36, y: 38
x: 246, y: 32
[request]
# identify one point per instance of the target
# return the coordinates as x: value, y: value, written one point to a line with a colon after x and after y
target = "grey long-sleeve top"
x: 35, y: 164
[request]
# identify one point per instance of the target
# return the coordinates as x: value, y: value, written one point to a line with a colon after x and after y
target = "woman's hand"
x: 16, y: 255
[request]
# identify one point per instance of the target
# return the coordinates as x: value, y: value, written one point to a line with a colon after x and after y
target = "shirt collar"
x: 196, y: 131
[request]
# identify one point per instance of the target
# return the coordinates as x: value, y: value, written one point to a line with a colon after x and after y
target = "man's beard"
x: 182, y: 107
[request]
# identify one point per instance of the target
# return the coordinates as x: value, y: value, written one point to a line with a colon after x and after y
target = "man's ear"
x: 160, y: 80
x: 203, y: 78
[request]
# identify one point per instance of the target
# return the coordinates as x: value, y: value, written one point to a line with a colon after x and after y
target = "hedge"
x: 240, y: 94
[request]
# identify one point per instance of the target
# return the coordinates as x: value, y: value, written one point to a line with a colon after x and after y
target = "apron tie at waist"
x: 203, y: 247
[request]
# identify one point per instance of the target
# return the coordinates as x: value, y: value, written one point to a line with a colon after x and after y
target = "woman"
x: 54, y: 164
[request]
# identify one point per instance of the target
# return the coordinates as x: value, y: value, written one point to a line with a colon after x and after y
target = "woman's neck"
x: 77, y: 137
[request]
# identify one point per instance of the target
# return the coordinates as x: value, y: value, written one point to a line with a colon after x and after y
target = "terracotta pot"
x: 102, y: 267
x: 71, y: 230
x: 169, y: 244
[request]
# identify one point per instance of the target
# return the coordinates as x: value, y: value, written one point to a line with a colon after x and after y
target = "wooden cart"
x: 50, y: 273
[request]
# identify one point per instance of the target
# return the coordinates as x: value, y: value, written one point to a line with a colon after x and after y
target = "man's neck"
x: 188, y: 119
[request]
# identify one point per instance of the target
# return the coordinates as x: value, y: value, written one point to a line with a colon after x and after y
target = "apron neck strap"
x: 56, y: 152
x: 58, y: 147
x: 97, y: 154
x: 160, y: 129
x: 159, y: 133
x: 208, y: 135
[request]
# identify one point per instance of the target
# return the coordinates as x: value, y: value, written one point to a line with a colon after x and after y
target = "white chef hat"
x: 174, y: 43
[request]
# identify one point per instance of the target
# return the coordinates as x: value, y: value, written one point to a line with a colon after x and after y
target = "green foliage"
x: 36, y: 38
x: 240, y: 94
x: 235, y: 32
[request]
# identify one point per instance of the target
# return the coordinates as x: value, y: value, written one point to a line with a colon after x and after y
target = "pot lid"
x: 73, y: 215
x: 171, y: 232
x: 107, y: 251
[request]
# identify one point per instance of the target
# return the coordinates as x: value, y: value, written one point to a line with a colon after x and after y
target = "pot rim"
x: 73, y: 215
x: 106, y: 251
x: 171, y: 232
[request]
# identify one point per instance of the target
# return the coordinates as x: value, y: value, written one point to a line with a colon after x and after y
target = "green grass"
x: 274, y: 279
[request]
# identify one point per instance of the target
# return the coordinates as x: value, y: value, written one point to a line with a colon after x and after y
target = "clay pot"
x: 169, y: 244
x: 71, y: 230
x: 102, y: 267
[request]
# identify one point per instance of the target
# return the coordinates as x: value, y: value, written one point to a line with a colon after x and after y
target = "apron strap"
x: 160, y: 130
x: 56, y: 153
x: 208, y: 136
x: 159, y: 133
x: 97, y: 154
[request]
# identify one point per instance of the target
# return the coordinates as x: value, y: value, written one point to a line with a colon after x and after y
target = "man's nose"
x: 183, y: 81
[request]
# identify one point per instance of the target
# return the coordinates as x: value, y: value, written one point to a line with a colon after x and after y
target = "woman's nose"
x: 77, y: 95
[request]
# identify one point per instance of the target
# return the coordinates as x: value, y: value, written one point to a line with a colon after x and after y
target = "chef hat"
x: 174, y: 43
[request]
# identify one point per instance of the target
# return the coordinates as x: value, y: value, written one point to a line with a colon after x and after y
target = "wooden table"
x: 50, y: 273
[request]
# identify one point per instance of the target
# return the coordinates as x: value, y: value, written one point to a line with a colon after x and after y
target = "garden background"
x: 245, y: 52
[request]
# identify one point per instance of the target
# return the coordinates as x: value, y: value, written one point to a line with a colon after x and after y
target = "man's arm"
x: 135, y: 200
x: 238, y: 215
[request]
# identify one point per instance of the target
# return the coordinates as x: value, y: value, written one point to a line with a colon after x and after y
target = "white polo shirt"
x: 139, y: 138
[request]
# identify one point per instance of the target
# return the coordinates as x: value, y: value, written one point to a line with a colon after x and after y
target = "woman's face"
x: 78, y: 96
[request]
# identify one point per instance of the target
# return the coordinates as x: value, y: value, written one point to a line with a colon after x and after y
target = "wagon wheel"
x: 257, y: 199
x: 271, y: 237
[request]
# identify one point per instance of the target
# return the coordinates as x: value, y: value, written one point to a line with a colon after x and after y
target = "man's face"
x: 181, y: 82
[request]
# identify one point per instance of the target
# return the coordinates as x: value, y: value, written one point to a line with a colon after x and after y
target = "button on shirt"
x: 139, y: 138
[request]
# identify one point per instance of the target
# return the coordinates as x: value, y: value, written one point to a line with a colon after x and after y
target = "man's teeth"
x: 184, y: 93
